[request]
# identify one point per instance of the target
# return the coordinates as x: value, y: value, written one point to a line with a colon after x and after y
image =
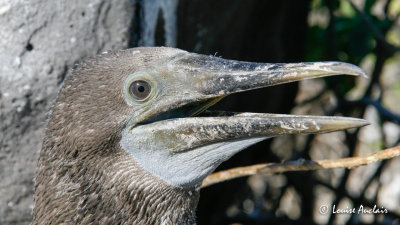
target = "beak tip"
x: 358, y: 71
x: 366, y: 123
x: 346, y: 68
x: 364, y: 74
x: 358, y: 123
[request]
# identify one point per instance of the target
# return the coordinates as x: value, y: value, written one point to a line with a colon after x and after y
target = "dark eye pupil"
x: 139, y: 89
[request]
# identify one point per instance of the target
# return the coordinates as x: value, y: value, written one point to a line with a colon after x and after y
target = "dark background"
x: 278, y: 31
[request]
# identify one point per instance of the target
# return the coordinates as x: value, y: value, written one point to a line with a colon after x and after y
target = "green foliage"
x: 347, y: 36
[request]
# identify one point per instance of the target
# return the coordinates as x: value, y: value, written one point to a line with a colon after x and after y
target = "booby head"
x: 145, y: 108
x: 170, y: 137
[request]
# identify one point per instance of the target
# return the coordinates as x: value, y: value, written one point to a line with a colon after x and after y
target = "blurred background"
x: 42, y: 40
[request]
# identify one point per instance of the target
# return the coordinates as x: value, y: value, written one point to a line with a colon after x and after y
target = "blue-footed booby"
x: 129, y: 141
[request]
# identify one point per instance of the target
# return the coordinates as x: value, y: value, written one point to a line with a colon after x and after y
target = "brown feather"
x: 83, y: 175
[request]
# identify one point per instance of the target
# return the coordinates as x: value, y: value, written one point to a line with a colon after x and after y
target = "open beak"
x: 194, y: 82
x: 191, y: 83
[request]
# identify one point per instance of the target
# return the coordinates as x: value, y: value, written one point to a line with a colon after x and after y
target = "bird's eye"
x: 139, y: 90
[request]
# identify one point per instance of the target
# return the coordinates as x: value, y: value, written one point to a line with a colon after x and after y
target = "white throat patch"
x: 181, y: 169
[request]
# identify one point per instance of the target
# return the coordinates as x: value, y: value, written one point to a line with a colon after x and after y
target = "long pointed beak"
x: 194, y: 132
x: 215, y: 76
x: 170, y: 129
x: 193, y: 82
x: 189, y: 79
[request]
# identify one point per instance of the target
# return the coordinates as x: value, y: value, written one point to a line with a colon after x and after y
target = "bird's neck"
x: 109, y: 191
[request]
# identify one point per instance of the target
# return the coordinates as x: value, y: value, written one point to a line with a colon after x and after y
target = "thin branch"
x: 386, y: 113
x: 300, y: 165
